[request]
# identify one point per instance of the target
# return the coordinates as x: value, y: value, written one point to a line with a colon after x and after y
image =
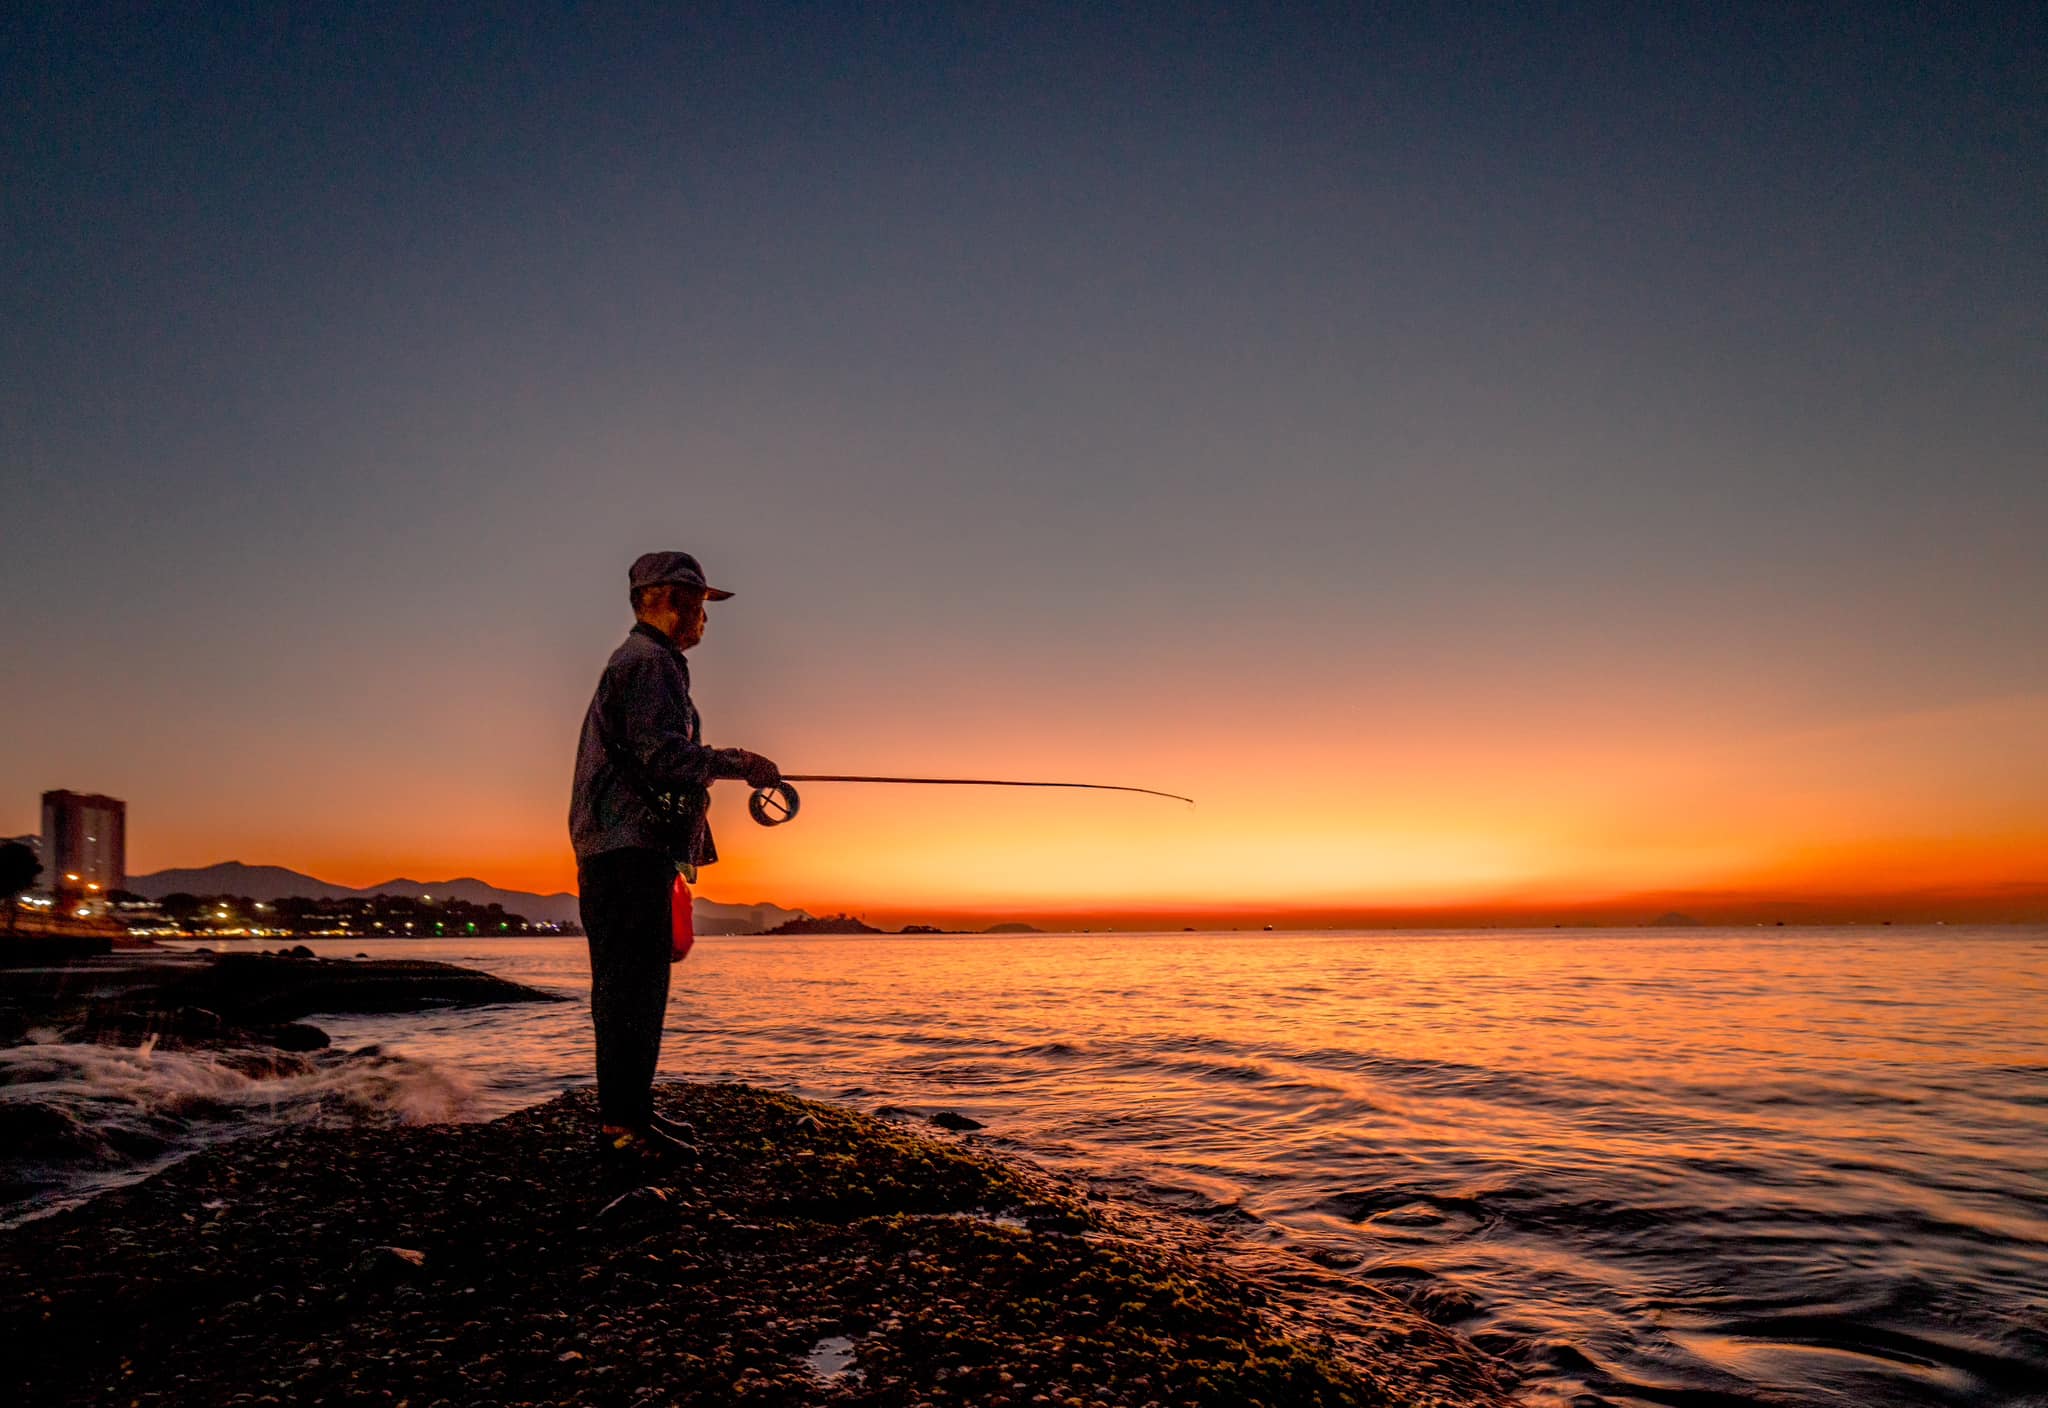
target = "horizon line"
x: 2002, y: 902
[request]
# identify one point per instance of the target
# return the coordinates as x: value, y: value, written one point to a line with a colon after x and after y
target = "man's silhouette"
x: 637, y: 818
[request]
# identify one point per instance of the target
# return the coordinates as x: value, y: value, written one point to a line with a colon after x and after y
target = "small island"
x: 825, y: 924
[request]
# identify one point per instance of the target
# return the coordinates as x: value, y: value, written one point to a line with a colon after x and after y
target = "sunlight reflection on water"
x: 1799, y: 1166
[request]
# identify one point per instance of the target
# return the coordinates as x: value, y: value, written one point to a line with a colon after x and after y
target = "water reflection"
x: 1711, y: 1165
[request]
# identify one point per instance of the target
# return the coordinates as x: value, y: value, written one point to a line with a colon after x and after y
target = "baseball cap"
x: 653, y: 569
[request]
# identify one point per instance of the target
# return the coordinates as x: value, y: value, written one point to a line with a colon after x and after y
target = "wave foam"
x: 78, y: 1117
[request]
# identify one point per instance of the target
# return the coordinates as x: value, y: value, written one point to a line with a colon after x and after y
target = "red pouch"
x: 682, y: 924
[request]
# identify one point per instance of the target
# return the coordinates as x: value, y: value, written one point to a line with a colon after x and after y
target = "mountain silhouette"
x: 275, y: 882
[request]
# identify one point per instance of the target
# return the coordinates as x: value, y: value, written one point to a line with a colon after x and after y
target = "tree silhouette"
x: 18, y: 870
x: 180, y: 908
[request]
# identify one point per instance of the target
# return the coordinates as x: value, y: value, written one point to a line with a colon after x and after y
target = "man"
x: 636, y: 819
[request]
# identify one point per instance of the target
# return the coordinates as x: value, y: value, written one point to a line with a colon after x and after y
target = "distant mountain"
x: 274, y: 882
x: 258, y: 882
x: 558, y: 908
x: 715, y: 918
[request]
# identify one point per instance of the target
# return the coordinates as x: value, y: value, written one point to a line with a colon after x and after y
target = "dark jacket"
x: 642, y: 709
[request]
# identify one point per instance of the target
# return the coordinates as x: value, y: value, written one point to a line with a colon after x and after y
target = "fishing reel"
x: 774, y: 804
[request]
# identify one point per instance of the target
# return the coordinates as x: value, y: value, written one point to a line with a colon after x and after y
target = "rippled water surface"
x: 1692, y: 1166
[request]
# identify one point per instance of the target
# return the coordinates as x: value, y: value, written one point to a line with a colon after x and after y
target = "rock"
x: 951, y: 1119
x: 384, y: 1265
x: 188, y: 1026
x: 52, y: 948
x: 43, y: 1130
x: 252, y: 989
x: 295, y: 1036
x: 633, y: 1209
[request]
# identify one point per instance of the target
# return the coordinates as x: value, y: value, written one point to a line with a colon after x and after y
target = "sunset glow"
x: 1511, y: 509
x: 1400, y: 819
x: 1563, y: 490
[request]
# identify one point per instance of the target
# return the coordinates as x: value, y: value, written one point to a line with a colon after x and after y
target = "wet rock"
x: 52, y: 948
x: 256, y: 989
x: 229, y: 1001
x: 189, y: 1028
x: 37, y: 1129
x: 381, y: 1266
x: 952, y: 1119
x: 295, y: 1036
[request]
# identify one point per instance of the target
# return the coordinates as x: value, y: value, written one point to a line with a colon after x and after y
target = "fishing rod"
x: 778, y: 803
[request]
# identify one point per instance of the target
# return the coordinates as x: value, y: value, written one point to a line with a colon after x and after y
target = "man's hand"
x: 753, y: 769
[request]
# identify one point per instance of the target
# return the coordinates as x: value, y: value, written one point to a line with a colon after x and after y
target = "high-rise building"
x: 85, y: 843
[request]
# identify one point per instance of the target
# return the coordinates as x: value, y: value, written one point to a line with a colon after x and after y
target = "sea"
x: 1700, y: 1166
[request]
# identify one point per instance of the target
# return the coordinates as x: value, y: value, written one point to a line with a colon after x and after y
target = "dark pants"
x: 625, y: 905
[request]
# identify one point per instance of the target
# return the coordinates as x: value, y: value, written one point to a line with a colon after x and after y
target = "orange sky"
x: 1483, y: 492
x: 1346, y: 806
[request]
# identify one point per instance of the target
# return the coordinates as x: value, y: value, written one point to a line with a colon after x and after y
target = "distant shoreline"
x: 2023, y: 902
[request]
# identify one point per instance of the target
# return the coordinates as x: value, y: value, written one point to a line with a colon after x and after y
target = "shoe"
x: 674, y: 1129
x: 641, y: 1146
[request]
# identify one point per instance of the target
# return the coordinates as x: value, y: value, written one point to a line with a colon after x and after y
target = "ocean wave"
x: 79, y: 1117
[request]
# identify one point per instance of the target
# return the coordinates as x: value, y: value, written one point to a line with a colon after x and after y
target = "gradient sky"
x: 1509, y: 452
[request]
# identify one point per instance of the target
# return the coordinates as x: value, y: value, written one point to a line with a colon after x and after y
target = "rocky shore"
x: 227, y: 999
x: 811, y: 1254
x: 114, y: 1062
